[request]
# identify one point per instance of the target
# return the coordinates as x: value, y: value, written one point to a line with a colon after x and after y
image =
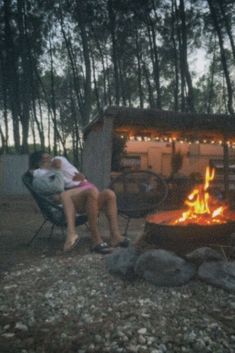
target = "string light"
x: 169, y: 139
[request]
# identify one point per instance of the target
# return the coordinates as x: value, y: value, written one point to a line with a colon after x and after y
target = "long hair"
x: 35, y: 159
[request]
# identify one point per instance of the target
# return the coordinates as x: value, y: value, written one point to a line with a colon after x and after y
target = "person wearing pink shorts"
x: 58, y: 177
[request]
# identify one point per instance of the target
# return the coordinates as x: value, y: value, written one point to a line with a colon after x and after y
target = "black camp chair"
x: 51, y: 212
x: 138, y: 193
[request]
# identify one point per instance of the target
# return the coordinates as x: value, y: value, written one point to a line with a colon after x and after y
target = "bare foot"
x: 71, y: 242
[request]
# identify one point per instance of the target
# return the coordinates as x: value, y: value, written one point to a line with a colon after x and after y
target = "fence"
x: 11, y: 169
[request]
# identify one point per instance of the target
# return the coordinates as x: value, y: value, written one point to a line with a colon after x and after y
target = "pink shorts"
x: 87, y: 185
x: 84, y: 186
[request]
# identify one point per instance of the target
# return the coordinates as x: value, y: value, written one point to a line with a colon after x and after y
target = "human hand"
x: 78, y: 177
x: 56, y: 163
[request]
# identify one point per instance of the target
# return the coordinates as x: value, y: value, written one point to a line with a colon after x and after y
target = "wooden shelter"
x: 150, y: 122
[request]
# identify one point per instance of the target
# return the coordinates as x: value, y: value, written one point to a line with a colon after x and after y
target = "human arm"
x: 79, y: 177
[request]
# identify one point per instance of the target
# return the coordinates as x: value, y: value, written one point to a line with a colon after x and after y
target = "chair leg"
x: 126, y: 228
x: 37, y: 232
x: 51, y: 232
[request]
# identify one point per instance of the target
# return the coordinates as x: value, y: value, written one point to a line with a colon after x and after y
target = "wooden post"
x: 173, y: 151
x: 226, y: 168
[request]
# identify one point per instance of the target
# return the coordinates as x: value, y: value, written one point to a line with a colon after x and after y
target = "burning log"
x: 205, y: 222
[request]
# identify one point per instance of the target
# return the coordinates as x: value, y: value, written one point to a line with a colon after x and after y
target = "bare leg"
x: 70, y: 214
x: 90, y: 201
x: 87, y: 201
x: 107, y: 202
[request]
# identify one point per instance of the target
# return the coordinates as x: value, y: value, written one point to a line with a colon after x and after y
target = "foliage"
x: 62, y: 62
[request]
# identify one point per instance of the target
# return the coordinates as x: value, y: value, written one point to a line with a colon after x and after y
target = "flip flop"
x: 124, y: 243
x: 73, y: 245
x: 102, y: 248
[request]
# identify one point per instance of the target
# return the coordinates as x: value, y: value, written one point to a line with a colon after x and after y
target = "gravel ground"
x: 50, y: 302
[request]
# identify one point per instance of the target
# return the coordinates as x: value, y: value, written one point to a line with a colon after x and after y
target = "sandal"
x: 73, y: 245
x: 102, y: 248
x: 124, y: 243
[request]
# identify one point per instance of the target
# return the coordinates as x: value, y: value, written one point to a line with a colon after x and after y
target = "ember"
x: 203, y: 208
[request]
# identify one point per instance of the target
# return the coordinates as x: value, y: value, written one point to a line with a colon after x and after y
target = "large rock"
x: 204, y: 254
x: 221, y: 274
x: 122, y: 262
x: 164, y: 268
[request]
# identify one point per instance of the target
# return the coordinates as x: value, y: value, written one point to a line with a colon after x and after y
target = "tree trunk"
x: 150, y: 90
x: 12, y: 74
x: 95, y: 84
x: 226, y: 168
x: 33, y: 134
x: 187, y: 75
x: 223, y: 56
x: 122, y: 76
x: 209, y: 102
x: 25, y: 84
x: 86, y: 55
x: 105, y: 100
x: 4, y: 99
x: 227, y: 24
x: 175, y: 57
x: 53, y: 102
x: 74, y: 68
x: 109, y: 84
x: 112, y: 21
x: 3, y: 139
x: 139, y: 71
x: 154, y: 58
x: 42, y: 135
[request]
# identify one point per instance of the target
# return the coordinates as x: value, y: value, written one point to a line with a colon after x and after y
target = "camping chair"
x: 138, y: 193
x: 51, y: 212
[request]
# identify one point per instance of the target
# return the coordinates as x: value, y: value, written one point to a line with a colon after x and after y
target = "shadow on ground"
x: 20, y: 218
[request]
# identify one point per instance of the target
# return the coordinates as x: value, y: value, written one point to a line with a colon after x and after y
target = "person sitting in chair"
x: 58, y: 179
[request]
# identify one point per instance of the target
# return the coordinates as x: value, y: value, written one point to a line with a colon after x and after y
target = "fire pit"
x: 206, y: 221
x: 184, y: 238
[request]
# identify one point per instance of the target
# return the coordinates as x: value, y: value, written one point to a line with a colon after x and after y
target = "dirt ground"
x: 20, y: 218
x: 39, y: 314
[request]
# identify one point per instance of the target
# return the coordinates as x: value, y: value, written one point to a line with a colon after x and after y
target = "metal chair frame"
x: 135, y: 205
x: 51, y: 212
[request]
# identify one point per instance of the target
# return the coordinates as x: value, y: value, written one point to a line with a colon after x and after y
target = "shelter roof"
x: 218, y: 125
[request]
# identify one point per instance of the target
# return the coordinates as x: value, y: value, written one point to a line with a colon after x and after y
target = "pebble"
x: 142, y: 331
x: 20, y: 326
x: 141, y: 339
x: 8, y: 335
x: 132, y: 349
x: 114, y: 317
x: 98, y: 339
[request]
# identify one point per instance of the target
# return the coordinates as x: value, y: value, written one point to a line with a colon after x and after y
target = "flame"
x: 202, y: 208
